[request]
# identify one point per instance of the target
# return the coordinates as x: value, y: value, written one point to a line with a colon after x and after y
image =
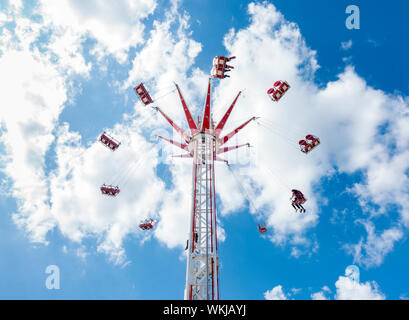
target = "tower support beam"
x: 203, y: 261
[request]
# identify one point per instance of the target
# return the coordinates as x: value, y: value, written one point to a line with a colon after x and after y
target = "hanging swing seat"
x: 262, y: 228
x: 309, y: 143
x: 109, y: 142
x: 299, y: 197
x: 143, y: 94
x: 110, y: 190
x: 147, y: 224
x: 220, y: 67
x: 278, y: 90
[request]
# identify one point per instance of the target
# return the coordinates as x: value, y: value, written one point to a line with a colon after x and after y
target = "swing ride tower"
x: 202, y: 275
x: 203, y: 144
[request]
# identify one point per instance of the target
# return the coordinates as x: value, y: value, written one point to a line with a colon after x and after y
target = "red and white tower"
x: 204, y: 143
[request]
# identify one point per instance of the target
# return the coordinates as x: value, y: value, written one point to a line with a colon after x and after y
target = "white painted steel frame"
x: 202, y: 276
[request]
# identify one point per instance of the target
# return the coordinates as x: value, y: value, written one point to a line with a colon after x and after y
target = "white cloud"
x: 318, y: 296
x: 4, y: 18
x: 346, y: 45
x: 373, y: 251
x: 275, y: 294
x: 167, y: 56
x: 348, y: 289
x: 116, y: 27
x: 78, y: 207
x: 15, y: 5
x: 33, y: 93
x: 321, y: 295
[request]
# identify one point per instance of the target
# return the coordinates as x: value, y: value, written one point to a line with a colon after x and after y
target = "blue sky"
x: 83, y: 78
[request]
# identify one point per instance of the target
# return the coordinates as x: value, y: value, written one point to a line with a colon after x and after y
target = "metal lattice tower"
x: 203, y: 144
x: 203, y: 262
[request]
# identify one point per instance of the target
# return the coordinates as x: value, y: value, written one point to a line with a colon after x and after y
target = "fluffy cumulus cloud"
x: 372, y: 251
x: 34, y: 94
x: 275, y: 294
x: 372, y: 142
x: 115, y: 26
x: 321, y: 295
x: 80, y: 169
x: 168, y: 53
x: 348, y: 289
x: 37, y: 87
x: 346, y: 45
x: 37, y: 83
